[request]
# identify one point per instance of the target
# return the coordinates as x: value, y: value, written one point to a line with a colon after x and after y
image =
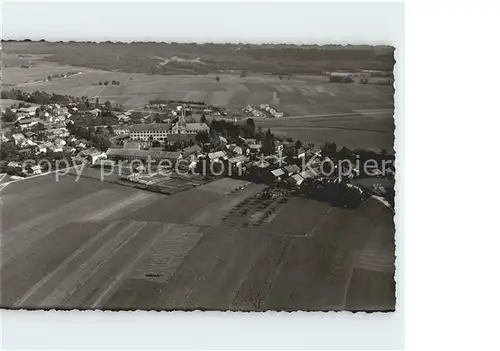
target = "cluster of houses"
x: 242, y: 159
x: 271, y: 111
x: 40, y: 131
x: 252, y: 111
x: 263, y: 110
x: 43, y: 133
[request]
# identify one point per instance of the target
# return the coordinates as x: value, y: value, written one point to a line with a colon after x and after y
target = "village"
x: 143, y: 148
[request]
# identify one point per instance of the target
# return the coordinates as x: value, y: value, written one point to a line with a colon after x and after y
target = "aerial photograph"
x: 197, y: 176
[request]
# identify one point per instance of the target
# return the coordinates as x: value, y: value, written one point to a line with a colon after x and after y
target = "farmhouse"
x: 155, y: 131
x: 278, y: 173
x: 191, y: 150
x: 214, y: 156
x: 36, y: 169
x: 296, y: 179
x: 95, y: 155
x: 29, y: 122
x: 292, y: 169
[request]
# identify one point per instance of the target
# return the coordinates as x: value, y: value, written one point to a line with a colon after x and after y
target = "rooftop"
x: 191, y: 149
x: 216, y: 154
x: 29, y: 120
x: 292, y: 168
x: 195, y: 127
x: 278, y: 172
x: 149, y: 127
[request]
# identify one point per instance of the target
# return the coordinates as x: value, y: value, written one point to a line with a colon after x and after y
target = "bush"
x: 9, y: 116
x: 340, y: 79
x: 106, y: 83
x: 100, y: 83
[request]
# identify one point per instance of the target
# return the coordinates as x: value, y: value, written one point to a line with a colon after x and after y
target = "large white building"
x: 156, y: 131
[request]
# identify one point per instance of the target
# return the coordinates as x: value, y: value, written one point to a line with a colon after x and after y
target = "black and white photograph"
x: 169, y: 172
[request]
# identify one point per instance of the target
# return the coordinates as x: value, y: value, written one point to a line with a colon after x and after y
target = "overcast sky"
x: 320, y: 23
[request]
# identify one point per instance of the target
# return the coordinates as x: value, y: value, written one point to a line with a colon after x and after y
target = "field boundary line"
x: 311, y: 232
x: 93, y: 264
x: 278, y: 270
x: 121, y: 275
x: 63, y: 264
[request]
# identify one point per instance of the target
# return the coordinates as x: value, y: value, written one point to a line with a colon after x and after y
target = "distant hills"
x: 150, y: 57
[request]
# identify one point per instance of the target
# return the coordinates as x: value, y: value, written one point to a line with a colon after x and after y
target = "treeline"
x: 37, y: 97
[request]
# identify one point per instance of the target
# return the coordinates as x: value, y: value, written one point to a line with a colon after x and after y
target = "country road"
x: 53, y: 80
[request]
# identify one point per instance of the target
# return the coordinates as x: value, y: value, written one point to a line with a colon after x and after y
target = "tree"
x: 203, y: 118
x: 8, y: 151
x: 9, y: 116
x: 106, y: 82
x: 97, y: 102
x: 330, y: 149
x: 298, y: 144
x: 108, y: 106
x: 157, y: 118
x: 49, y: 78
x: 217, y: 79
x: 250, y: 128
x: 280, y: 77
x: 202, y: 137
x: 268, y: 142
x: 100, y: 83
x: 260, y: 134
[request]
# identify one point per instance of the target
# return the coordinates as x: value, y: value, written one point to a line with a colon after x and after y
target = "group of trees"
x: 38, y: 97
x: 106, y: 82
x: 9, y: 116
x: 344, y: 79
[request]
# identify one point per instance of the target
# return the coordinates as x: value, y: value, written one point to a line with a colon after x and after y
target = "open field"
x: 297, y: 96
x: 94, y: 244
x: 354, y: 115
x: 355, y: 129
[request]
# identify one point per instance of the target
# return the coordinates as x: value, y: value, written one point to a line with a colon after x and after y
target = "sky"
x: 290, y: 22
